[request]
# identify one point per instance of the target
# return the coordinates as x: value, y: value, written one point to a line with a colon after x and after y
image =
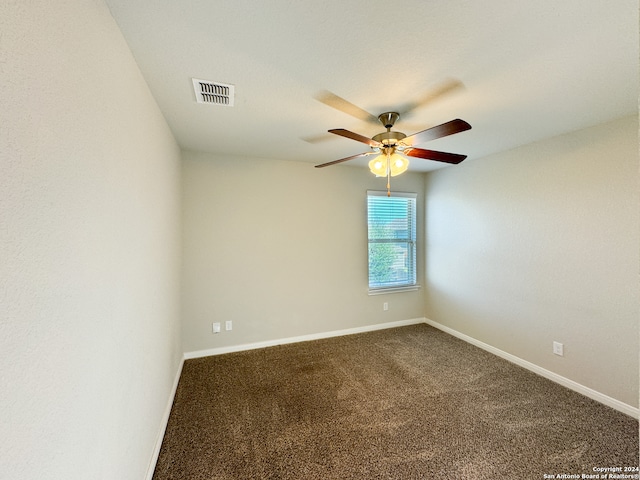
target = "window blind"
x: 392, y: 240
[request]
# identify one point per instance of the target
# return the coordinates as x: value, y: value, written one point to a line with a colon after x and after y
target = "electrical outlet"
x: 216, y: 327
x: 385, y: 306
x: 558, y: 348
x: 228, y: 325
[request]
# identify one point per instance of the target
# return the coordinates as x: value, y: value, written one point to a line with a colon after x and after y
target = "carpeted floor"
x: 405, y: 403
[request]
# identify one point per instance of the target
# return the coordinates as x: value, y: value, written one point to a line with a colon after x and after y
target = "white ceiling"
x: 530, y: 69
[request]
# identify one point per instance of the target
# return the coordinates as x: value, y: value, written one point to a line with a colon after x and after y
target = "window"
x: 392, y: 241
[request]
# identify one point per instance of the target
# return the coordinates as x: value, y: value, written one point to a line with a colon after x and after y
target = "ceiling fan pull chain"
x: 388, y: 172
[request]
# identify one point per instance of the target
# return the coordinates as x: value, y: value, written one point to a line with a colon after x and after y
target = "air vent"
x: 213, y: 93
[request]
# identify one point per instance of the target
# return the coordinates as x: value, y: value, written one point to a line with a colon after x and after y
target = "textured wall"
x: 540, y: 244
x: 89, y: 247
x: 280, y: 248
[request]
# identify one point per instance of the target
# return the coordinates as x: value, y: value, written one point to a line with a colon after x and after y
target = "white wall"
x: 89, y: 246
x: 280, y: 248
x: 541, y: 243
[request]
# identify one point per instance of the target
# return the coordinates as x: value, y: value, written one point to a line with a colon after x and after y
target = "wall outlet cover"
x: 558, y: 348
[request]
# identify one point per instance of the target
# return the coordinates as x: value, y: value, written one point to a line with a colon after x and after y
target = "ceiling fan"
x: 392, y: 147
x: 391, y: 142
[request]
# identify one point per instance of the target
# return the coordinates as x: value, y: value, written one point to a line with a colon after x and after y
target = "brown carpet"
x: 404, y: 403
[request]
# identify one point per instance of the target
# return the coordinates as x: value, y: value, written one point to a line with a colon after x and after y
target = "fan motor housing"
x: 389, y: 138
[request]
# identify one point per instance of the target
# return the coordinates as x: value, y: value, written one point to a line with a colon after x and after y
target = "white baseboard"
x: 163, y: 423
x: 303, y: 338
x: 575, y: 386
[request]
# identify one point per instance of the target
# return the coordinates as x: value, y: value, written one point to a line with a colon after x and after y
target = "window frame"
x: 411, y: 242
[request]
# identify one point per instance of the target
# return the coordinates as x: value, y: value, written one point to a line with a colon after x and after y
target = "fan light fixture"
x: 394, y: 164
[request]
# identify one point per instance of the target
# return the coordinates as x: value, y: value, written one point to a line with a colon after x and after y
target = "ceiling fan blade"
x: 444, y: 88
x: 454, y: 158
x: 352, y: 157
x: 448, y: 128
x: 339, y: 103
x: 355, y: 136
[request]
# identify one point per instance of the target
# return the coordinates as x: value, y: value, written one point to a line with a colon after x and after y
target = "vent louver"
x: 213, y: 93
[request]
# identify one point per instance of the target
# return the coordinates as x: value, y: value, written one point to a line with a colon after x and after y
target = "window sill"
x: 382, y: 291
